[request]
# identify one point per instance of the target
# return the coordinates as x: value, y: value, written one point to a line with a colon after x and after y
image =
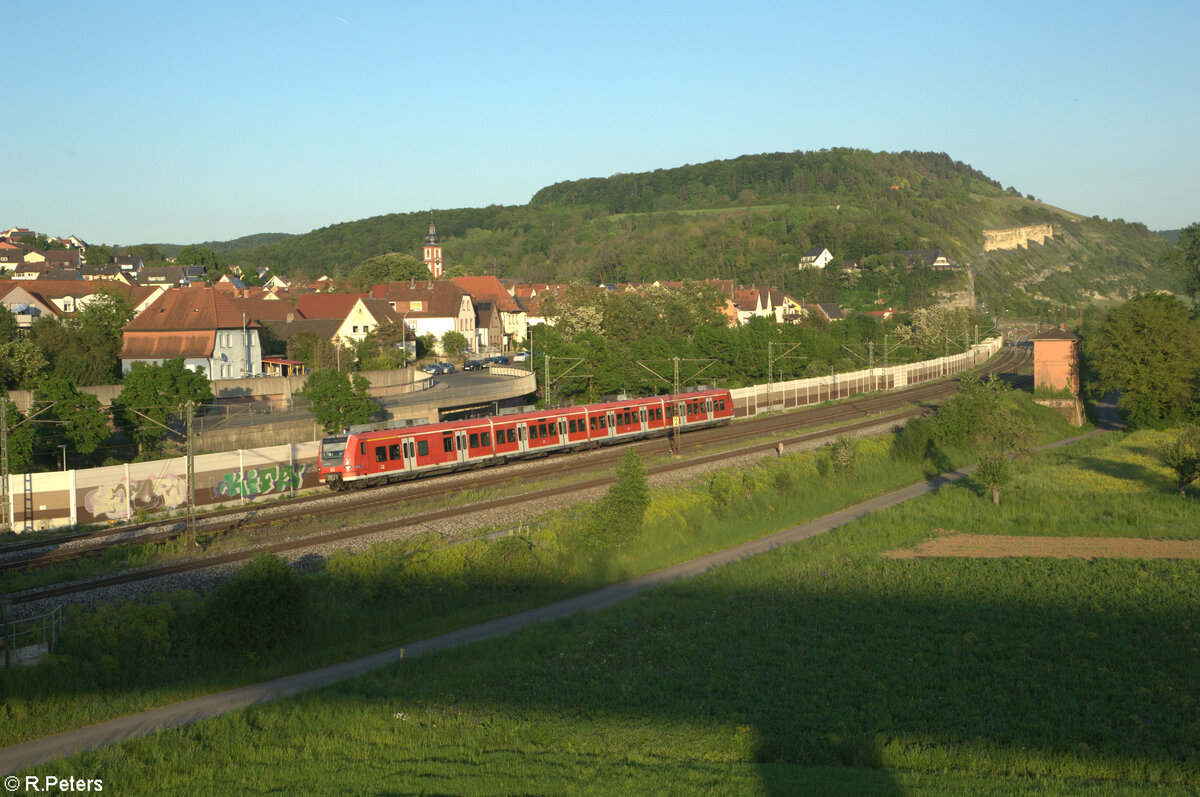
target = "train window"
x: 475, y: 441
x: 422, y: 448
x: 533, y: 431
x: 394, y: 451
x: 448, y: 443
x: 594, y: 424
x: 362, y: 449
x: 512, y: 435
x: 381, y: 453
x: 485, y: 439
x: 603, y: 422
x: 571, y: 425
x: 544, y: 429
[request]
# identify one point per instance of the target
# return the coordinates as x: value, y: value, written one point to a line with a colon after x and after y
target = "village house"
x: 199, y: 324
x: 430, y: 307
x: 512, y: 317
x: 817, y: 257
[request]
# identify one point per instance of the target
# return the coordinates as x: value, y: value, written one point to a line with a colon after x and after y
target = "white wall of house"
x: 236, y: 355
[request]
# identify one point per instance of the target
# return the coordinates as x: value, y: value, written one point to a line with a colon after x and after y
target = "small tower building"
x: 433, y: 250
x: 1056, y: 360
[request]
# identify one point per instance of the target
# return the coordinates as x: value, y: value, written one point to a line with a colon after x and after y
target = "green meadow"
x: 821, y: 667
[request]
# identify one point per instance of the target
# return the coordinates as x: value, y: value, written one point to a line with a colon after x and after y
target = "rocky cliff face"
x: 1016, y: 237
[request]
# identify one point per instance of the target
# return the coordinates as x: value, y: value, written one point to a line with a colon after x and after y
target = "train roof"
x: 536, y: 415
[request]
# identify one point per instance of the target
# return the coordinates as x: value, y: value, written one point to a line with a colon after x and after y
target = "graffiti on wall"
x: 119, y: 499
x: 261, y: 481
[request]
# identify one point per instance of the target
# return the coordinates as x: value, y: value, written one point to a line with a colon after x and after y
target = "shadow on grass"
x: 940, y: 666
x: 1125, y: 471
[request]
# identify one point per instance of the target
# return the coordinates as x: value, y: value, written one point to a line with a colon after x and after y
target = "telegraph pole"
x: 4, y: 455
x: 771, y: 358
x: 191, y: 477
x: 675, y: 384
x: 7, y: 494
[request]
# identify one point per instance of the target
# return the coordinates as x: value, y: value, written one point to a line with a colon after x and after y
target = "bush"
x: 262, y: 605
x: 617, y: 517
x: 914, y: 441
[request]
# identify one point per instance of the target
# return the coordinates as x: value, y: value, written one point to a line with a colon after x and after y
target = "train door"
x: 642, y: 424
x: 460, y: 445
x: 410, y: 453
x: 612, y: 423
x: 562, y: 432
x: 680, y: 418
x: 522, y: 437
x: 708, y: 409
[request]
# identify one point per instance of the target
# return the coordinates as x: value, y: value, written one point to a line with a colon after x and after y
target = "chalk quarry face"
x: 1016, y: 237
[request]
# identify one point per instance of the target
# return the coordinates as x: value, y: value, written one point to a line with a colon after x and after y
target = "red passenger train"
x: 368, y: 459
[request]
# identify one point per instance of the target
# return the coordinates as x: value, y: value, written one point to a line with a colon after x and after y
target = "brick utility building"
x: 1056, y: 360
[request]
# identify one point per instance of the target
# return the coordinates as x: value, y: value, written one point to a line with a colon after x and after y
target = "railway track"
x: 318, y: 507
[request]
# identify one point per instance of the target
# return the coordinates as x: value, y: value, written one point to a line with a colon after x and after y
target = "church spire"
x: 433, y: 249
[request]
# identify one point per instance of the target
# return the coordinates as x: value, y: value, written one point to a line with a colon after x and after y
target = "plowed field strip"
x: 995, y: 546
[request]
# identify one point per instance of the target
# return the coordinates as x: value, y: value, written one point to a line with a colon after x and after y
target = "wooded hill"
x: 750, y: 219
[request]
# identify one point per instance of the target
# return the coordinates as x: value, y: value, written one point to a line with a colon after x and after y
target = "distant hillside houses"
x: 933, y: 258
x: 817, y: 257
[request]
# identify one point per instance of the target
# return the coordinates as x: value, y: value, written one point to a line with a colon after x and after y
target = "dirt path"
x: 995, y: 546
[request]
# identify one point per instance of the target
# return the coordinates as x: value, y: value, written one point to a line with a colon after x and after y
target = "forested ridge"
x: 750, y: 219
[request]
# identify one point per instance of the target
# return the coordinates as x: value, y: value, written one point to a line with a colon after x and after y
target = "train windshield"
x: 332, y: 449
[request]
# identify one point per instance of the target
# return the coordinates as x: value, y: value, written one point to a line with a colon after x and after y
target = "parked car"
x: 431, y: 368
x: 473, y: 365
x: 499, y: 359
x: 520, y: 357
x: 447, y: 368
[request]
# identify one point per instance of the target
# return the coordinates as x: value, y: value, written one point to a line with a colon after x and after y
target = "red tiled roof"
x: 191, y: 310
x: 439, y: 298
x: 488, y: 289
x: 328, y: 305
x: 165, y: 345
x: 265, y: 309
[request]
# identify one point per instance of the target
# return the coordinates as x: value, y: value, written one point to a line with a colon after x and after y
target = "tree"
x: 1147, y: 348
x: 383, y: 348
x: 21, y: 363
x: 20, y: 437
x: 454, y: 343
x: 1186, y: 260
x: 1182, y: 456
x: 157, y: 392
x: 389, y: 267
x: 149, y: 253
x: 75, y: 418
x: 1003, y: 432
x: 214, y: 264
x: 98, y: 255
x: 339, y: 399
x: 618, y: 516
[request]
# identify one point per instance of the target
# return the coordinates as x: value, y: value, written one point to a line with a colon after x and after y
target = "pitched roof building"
x: 431, y: 307
x: 202, y: 326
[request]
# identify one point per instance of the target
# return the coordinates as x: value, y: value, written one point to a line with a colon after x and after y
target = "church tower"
x: 433, y: 250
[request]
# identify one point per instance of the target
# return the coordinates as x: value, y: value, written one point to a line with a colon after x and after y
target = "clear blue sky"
x: 143, y: 122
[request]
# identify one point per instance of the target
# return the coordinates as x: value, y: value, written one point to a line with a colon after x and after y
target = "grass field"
x: 820, y: 667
